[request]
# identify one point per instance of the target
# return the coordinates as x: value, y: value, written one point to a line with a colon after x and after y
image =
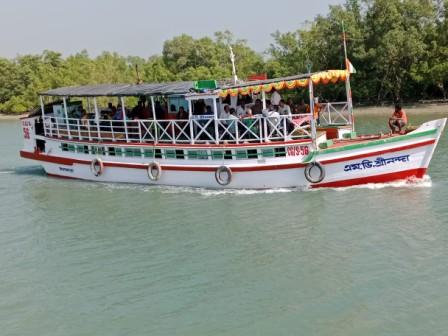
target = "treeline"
x: 398, y: 47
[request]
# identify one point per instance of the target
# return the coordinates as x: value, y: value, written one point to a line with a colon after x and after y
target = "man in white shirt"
x: 284, y: 109
x: 225, y: 113
x: 241, y: 109
x: 275, y: 98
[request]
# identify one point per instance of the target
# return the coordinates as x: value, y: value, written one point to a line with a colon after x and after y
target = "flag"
x: 349, y: 66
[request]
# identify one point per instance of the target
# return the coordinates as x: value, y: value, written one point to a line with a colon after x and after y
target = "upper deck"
x: 182, y: 113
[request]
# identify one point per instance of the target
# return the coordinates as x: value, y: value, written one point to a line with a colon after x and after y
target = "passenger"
x: 160, y: 113
x: 225, y: 113
x: 284, y: 109
x: 173, y: 109
x: 275, y: 98
x: 241, y: 109
x: 291, y: 104
x: 208, y: 110
x: 146, y: 112
x: 232, y: 121
x: 258, y: 107
x: 302, y: 108
x: 249, y: 114
x: 137, y: 110
x: 398, y: 120
x: 85, y: 119
x: 182, y: 114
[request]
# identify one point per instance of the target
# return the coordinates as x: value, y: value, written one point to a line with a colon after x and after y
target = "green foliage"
x: 399, y: 48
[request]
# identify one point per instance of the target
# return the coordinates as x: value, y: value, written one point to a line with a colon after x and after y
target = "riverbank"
x: 4, y: 116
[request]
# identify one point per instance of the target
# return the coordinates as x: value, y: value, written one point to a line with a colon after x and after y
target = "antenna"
x: 139, y: 80
x: 232, y: 59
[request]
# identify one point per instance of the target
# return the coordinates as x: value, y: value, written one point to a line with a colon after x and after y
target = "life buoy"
x: 312, y: 166
x: 97, y: 167
x: 223, y: 175
x: 154, y: 171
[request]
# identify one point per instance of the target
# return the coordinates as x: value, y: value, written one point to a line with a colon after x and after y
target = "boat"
x: 75, y: 136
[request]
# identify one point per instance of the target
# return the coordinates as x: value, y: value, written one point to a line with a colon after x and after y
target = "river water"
x: 80, y: 258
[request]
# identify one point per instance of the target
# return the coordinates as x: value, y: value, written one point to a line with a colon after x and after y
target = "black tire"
x: 308, y: 169
x: 219, y: 176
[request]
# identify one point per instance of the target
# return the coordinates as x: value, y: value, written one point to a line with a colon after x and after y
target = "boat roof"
x: 120, y: 90
x: 183, y: 88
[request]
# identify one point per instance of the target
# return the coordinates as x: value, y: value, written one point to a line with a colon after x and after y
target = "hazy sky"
x: 138, y: 27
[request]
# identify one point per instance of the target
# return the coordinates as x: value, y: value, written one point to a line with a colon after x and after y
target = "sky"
x: 139, y: 27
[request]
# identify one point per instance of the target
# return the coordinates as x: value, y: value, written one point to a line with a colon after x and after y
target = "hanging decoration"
x: 325, y: 77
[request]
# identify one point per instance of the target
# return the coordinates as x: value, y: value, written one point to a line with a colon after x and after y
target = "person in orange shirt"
x: 317, y: 109
x: 398, y: 120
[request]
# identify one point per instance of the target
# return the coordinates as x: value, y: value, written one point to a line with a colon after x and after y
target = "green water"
x: 80, y: 258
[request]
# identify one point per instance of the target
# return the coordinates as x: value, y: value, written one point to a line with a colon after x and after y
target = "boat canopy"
x: 184, y: 88
x: 123, y: 90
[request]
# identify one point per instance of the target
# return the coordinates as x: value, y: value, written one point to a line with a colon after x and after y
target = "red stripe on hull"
x: 385, y: 178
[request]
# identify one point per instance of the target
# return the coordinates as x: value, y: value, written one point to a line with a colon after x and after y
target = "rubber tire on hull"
x: 308, y: 169
x: 97, y: 167
x: 154, y: 166
x: 218, y: 177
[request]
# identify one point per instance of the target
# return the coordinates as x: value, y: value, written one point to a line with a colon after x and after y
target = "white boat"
x: 202, y: 150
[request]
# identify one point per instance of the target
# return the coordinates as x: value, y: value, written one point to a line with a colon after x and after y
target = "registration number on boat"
x: 298, y: 150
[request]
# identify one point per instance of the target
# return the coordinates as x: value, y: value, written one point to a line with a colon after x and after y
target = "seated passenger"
x: 398, y: 120
x: 258, y: 107
x: 302, y: 108
x: 249, y: 114
x: 225, y: 113
x: 241, y: 109
x: 182, y: 114
x: 284, y: 109
x: 232, y: 121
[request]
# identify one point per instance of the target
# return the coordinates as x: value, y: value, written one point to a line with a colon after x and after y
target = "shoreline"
x: 437, y: 108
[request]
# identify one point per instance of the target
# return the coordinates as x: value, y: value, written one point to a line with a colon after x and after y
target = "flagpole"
x: 348, y: 88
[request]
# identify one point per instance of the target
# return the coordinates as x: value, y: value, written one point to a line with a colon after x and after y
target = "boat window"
x: 241, y: 155
x: 158, y: 153
x: 133, y: 152
x: 180, y: 154
x: 217, y: 155
x: 252, y: 154
x: 228, y: 155
x: 82, y: 149
x: 64, y: 147
x: 267, y: 152
x: 170, y: 154
x: 280, y: 152
x: 148, y: 153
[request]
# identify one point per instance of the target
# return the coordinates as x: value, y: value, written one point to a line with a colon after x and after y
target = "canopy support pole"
x: 154, y: 117
x: 64, y: 99
x: 97, y: 119
x: 313, y: 120
x: 42, y: 107
x: 190, y: 120
x: 263, y: 97
x: 215, y: 117
x: 125, y: 119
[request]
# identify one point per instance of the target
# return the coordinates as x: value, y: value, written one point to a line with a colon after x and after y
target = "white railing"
x: 335, y: 114
x: 249, y: 130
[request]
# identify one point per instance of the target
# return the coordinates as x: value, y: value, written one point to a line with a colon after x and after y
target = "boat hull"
x: 402, y: 158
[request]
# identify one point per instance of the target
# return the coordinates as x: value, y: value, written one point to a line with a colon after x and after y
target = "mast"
x: 232, y: 59
x: 348, y: 88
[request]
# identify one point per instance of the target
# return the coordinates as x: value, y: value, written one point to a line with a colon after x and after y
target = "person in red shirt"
x: 398, y: 120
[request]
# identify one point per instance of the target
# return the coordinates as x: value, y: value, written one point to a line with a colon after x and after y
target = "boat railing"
x: 335, y: 114
x: 194, y: 131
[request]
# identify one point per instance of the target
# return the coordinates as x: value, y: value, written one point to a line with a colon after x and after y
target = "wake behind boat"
x: 211, y: 135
